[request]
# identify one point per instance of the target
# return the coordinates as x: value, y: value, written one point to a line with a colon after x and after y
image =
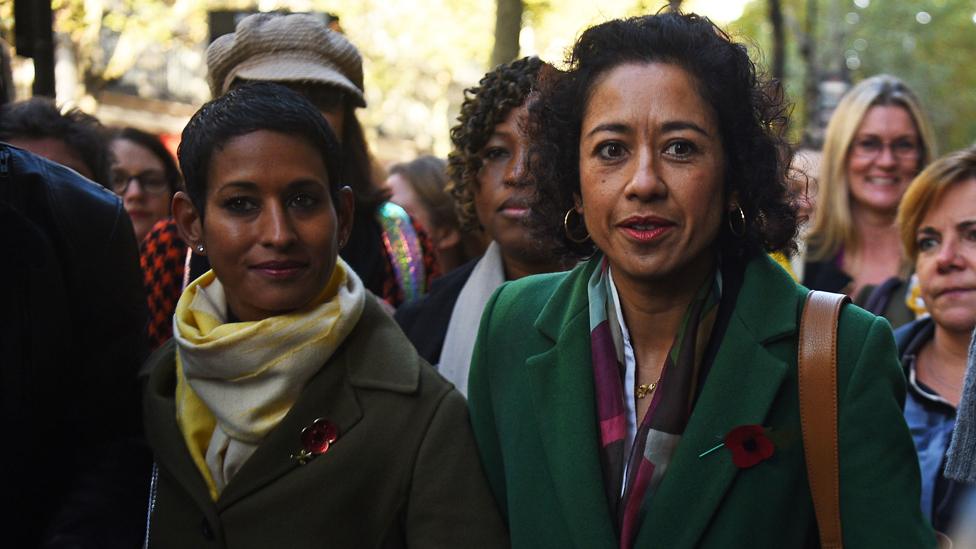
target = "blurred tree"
x: 927, y: 43
x: 508, y: 26
x: 779, y: 45
x: 108, y: 37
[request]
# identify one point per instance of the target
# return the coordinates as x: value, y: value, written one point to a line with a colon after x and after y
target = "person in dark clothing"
x: 73, y: 138
x: 492, y: 193
x: 72, y: 337
x: 937, y: 221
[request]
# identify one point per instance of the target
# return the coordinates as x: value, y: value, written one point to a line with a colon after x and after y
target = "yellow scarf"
x: 237, y: 380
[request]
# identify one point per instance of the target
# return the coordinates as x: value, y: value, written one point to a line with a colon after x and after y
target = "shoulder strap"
x: 818, y: 409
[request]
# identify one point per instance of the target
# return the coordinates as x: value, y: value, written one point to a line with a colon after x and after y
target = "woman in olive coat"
x: 289, y: 410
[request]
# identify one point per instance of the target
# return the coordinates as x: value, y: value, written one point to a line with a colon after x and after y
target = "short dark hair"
x: 485, y: 106
x: 249, y: 108
x: 40, y: 118
x: 750, y: 110
x: 153, y: 144
x: 357, y: 169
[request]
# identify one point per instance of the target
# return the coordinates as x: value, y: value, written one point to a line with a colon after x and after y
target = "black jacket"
x: 72, y: 337
x: 425, y: 320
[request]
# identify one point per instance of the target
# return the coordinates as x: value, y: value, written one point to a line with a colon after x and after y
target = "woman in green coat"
x: 289, y: 410
x: 648, y: 398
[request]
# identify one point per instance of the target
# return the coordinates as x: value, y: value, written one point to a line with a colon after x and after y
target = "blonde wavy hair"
x: 833, y: 225
x: 927, y: 188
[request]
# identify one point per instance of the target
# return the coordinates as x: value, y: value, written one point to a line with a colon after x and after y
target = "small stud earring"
x: 200, y: 248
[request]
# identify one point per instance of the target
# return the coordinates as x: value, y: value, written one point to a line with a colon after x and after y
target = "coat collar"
x: 363, y: 361
x: 742, y: 384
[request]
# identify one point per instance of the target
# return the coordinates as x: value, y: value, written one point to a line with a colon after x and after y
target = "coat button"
x: 206, y: 530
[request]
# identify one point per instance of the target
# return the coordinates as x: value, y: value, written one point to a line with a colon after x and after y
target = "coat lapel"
x: 162, y: 431
x: 744, y: 380
x: 334, y: 400
x: 563, y: 397
x: 362, y: 361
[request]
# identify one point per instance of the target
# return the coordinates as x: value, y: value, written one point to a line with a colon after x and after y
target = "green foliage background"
x: 934, y: 58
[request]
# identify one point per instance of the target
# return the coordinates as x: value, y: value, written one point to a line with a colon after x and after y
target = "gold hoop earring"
x: 742, y: 220
x: 569, y: 233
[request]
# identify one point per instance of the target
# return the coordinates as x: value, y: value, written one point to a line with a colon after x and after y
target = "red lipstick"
x: 645, y: 229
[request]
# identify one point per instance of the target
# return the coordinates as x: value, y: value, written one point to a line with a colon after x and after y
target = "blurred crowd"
x: 554, y: 337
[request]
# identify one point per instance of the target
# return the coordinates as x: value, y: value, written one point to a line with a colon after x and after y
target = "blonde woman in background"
x: 878, y: 139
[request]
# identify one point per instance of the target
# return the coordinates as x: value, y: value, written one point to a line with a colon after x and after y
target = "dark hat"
x: 285, y: 48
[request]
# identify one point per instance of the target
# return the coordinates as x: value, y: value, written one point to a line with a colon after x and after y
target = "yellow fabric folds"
x: 237, y: 380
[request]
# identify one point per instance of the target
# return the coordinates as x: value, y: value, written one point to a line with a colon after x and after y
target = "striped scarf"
x: 662, y: 426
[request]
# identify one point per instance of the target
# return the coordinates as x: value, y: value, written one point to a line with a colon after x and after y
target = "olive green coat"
x: 404, y: 471
x: 533, y: 409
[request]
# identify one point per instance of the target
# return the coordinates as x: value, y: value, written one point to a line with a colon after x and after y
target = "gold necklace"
x: 645, y: 389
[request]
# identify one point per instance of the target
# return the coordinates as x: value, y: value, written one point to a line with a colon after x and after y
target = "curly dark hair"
x: 485, y: 106
x: 751, y: 113
x: 40, y: 117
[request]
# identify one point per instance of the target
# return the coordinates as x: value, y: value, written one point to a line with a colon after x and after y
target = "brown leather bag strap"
x: 818, y: 409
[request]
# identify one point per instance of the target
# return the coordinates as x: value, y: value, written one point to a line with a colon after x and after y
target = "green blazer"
x: 404, y: 471
x: 533, y: 409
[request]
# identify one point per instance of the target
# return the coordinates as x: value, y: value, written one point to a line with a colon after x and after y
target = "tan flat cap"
x: 285, y: 48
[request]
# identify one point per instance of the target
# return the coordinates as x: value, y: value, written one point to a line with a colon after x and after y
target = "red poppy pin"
x: 749, y: 445
x: 316, y: 439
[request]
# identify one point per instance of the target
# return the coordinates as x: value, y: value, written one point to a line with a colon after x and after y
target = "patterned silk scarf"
x: 661, y: 428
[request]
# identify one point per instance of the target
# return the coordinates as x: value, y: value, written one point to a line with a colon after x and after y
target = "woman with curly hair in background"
x: 649, y: 397
x: 493, y: 194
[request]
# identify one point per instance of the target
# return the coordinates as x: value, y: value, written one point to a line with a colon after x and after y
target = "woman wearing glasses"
x: 145, y: 175
x: 878, y: 139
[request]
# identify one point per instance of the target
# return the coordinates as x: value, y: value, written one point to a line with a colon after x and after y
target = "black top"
x: 72, y: 336
x: 425, y: 320
x: 948, y: 496
x: 826, y: 276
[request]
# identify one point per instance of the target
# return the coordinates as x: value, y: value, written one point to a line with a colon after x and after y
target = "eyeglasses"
x: 870, y: 148
x: 150, y: 182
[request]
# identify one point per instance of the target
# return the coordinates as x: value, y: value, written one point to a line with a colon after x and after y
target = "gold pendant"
x: 645, y: 389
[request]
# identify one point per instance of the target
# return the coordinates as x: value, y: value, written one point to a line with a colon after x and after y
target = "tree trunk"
x: 35, y: 38
x: 812, y: 136
x: 508, y: 25
x: 779, y: 39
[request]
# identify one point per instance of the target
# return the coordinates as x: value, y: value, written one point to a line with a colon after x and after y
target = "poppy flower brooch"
x: 749, y: 445
x: 316, y: 440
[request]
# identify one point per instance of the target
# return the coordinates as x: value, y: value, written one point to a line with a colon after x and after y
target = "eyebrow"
x: 683, y: 125
x: 244, y: 185
x: 298, y: 183
x: 495, y: 133
x: 963, y: 225
x: 870, y: 135
x: 667, y: 127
